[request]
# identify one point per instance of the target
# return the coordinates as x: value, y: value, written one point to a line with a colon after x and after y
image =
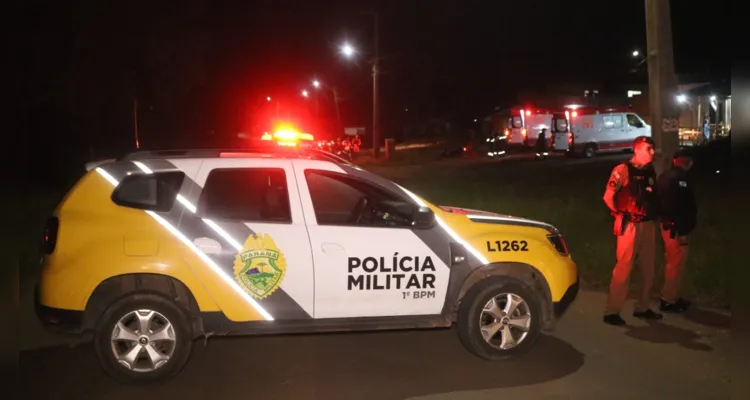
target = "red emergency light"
x: 288, y: 137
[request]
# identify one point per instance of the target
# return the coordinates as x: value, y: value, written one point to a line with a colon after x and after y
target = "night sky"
x: 201, y: 70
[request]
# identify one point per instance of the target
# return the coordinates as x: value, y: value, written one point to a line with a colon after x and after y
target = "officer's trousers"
x: 676, y: 252
x: 635, y: 245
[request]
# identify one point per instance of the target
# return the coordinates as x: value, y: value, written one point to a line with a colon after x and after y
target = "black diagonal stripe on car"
x: 229, y: 234
x: 436, y: 239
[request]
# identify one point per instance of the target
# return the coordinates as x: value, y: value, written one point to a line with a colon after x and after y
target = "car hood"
x: 480, y: 216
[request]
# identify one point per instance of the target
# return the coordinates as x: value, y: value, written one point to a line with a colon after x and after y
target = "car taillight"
x: 557, y: 240
x: 570, y: 137
x: 49, y: 235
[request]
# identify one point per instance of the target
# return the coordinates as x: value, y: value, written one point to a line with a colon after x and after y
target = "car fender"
x: 521, y: 271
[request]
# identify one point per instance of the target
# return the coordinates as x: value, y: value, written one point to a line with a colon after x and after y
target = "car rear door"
x: 560, y: 129
x: 363, y: 266
x: 245, y: 221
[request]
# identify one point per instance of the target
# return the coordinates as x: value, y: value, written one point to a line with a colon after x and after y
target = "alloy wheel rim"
x: 143, y: 340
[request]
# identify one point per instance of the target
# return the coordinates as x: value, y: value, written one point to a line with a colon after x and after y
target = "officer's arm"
x: 614, y: 184
x: 665, y: 190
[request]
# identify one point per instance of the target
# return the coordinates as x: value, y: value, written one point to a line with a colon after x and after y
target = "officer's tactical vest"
x: 639, y: 197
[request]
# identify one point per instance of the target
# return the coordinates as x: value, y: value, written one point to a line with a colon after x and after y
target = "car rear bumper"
x: 58, y: 320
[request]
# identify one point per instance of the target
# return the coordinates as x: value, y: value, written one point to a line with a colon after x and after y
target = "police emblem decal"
x: 260, y: 266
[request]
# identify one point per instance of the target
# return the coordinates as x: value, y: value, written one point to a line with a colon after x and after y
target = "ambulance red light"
x: 528, y: 112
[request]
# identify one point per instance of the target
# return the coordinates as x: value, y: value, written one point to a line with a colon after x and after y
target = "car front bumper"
x: 566, y: 300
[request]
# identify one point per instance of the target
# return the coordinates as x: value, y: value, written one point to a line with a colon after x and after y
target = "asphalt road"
x: 681, y: 357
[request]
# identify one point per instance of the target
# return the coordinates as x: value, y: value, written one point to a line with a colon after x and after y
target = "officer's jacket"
x: 635, y: 190
x: 677, y: 201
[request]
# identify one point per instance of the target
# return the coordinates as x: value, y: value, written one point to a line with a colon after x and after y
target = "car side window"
x: 612, y: 121
x: 341, y: 200
x: 152, y: 192
x: 634, y: 121
x: 246, y: 194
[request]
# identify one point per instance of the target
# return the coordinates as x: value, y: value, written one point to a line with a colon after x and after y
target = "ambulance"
x: 156, y: 249
x: 595, y: 130
x: 525, y: 125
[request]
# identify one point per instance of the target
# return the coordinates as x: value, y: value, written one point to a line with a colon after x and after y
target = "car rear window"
x: 560, y: 124
x: 153, y: 192
x: 516, y: 121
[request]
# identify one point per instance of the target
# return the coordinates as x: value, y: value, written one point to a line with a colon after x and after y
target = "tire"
x: 590, y: 150
x: 163, y: 309
x: 471, y: 309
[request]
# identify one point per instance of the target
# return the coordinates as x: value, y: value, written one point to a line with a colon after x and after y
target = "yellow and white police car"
x: 156, y: 249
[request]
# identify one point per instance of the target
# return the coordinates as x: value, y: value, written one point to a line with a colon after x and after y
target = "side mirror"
x: 423, y: 218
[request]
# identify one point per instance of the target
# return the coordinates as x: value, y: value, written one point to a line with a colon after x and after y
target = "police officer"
x: 678, y: 219
x: 630, y: 196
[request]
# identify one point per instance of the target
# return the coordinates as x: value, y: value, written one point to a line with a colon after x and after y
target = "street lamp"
x: 268, y: 98
x: 304, y: 93
x: 347, y: 50
x: 636, y: 53
x: 316, y: 83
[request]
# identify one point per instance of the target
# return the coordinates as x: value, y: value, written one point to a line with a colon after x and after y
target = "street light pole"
x: 662, y: 82
x: 375, y: 94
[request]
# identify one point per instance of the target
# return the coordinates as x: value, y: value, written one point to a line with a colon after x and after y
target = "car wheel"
x: 589, y: 151
x: 142, y: 339
x: 499, y: 319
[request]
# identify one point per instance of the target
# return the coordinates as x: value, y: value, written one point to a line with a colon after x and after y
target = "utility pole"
x: 662, y: 83
x: 375, y: 95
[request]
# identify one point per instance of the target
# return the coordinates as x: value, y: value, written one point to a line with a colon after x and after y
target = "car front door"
x: 369, y: 260
x: 245, y: 217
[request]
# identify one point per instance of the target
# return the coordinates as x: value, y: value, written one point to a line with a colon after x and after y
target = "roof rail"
x: 93, y: 164
x: 182, y: 153
x: 236, y: 152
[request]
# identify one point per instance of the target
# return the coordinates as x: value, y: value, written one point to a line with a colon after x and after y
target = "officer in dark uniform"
x: 631, y: 197
x: 541, y: 145
x: 678, y: 219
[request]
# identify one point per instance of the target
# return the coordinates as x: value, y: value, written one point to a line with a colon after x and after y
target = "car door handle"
x: 207, y: 245
x: 329, y: 247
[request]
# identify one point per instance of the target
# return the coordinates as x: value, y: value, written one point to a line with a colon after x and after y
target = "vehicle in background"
x: 525, y: 124
x: 596, y: 130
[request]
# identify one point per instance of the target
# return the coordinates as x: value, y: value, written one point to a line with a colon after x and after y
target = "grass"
x: 569, y: 197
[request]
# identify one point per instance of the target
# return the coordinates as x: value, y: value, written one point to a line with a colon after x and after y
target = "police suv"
x: 156, y: 249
